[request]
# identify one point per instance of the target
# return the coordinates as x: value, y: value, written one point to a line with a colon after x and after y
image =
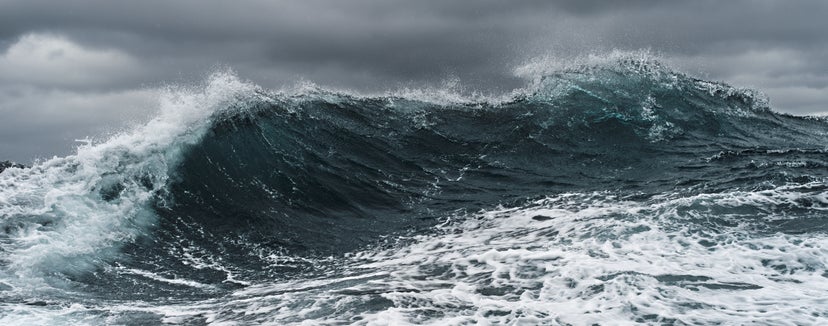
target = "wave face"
x: 619, y: 191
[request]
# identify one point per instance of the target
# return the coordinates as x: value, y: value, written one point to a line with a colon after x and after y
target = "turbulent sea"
x: 615, y: 193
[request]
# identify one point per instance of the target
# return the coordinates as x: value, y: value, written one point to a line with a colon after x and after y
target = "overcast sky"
x: 76, y: 68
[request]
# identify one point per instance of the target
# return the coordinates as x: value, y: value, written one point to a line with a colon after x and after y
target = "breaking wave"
x: 613, y: 191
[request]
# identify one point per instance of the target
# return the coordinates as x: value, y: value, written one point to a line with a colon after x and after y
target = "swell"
x: 324, y: 173
x: 252, y: 185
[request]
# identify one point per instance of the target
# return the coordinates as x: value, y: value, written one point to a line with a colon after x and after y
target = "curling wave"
x: 554, y: 206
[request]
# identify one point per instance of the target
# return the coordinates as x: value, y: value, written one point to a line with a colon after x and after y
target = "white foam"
x: 570, y: 259
x: 161, y: 278
x: 56, y: 218
x: 643, y: 60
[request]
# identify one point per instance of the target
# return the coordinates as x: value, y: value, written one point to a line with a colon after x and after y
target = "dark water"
x: 618, y: 192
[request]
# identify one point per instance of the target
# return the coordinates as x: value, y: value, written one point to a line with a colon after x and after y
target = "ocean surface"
x: 613, y: 193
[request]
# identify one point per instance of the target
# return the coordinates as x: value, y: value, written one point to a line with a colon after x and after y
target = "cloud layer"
x: 67, y: 64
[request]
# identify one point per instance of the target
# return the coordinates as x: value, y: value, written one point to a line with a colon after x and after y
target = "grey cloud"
x: 40, y: 123
x: 53, y: 61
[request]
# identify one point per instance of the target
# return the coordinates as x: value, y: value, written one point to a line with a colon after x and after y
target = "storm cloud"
x: 76, y: 68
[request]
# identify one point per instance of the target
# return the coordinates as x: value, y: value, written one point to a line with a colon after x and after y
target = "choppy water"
x: 614, y: 193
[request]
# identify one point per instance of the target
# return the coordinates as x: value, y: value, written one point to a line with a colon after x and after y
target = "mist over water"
x: 614, y: 189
